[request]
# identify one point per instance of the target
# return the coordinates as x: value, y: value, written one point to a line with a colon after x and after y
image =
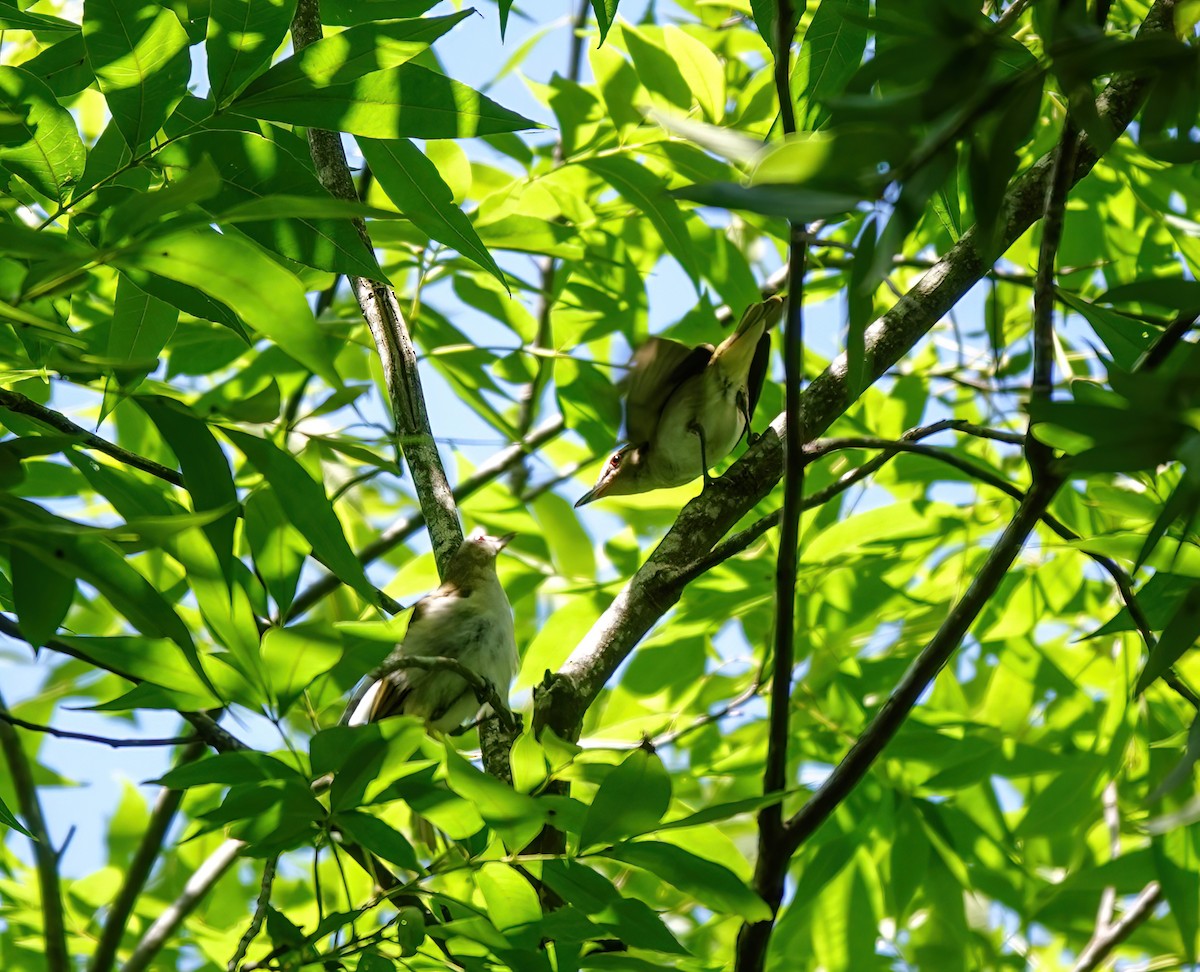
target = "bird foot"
x: 752, y: 437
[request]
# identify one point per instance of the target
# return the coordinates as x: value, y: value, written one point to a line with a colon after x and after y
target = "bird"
x: 686, y: 408
x: 468, y: 618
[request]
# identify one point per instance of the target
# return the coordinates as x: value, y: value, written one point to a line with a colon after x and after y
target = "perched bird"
x: 686, y: 408
x: 468, y: 619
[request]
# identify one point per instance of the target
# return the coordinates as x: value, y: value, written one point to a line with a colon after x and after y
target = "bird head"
x: 478, y: 552
x: 623, y: 473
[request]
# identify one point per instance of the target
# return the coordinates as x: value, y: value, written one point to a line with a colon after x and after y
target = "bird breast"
x: 710, y: 400
x: 475, y: 630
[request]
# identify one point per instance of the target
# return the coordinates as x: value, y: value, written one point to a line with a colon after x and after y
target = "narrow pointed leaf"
x: 234, y: 271
x: 308, y: 508
x: 416, y: 187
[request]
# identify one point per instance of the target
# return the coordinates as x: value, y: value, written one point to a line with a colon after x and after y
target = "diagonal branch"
x: 16, y: 402
x: 117, y: 917
x: 1105, y: 940
x: 54, y: 931
x: 659, y: 582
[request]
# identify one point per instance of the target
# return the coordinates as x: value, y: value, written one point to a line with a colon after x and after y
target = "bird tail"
x: 767, y: 313
x: 737, y: 350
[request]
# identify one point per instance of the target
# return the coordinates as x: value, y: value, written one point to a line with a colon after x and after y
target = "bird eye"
x: 615, y: 460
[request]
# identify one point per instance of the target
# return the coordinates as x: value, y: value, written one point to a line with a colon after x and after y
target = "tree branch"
x: 397, y: 355
x: 11, y: 719
x: 260, y: 913
x: 15, y: 402
x: 1104, y: 941
x: 658, y: 584
x: 116, y: 920
x: 45, y: 857
x: 1037, y: 453
x: 198, y: 885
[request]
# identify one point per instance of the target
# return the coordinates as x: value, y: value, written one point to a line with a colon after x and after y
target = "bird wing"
x: 658, y: 368
x: 758, y: 371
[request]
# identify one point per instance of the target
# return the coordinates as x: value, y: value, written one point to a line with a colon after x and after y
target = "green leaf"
x: 1181, y: 772
x: 418, y: 191
x: 1179, y: 635
x: 157, y: 661
x: 41, y: 595
x: 206, y: 473
x: 234, y: 271
x: 1125, y: 337
x: 13, y: 18
x: 512, y: 903
x: 306, y: 505
x: 829, y: 54
x: 703, y: 72
x: 275, y: 198
x: 69, y: 549
x: 278, y: 549
x: 242, y: 37
x: 606, y: 13
x: 348, y: 56
x: 516, y: 817
x: 229, y: 769
x: 643, y: 189
x: 139, y: 54
x: 143, y: 210
x: 48, y: 153
x: 404, y: 102
x: 713, y: 885
x: 7, y: 819
x: 294, y: 658
x: 795, y: 203
x: 379, y: 838
x: 141, y: 327
x: 631, y: 800
x: 63, y: 66
x: 1172, y: 292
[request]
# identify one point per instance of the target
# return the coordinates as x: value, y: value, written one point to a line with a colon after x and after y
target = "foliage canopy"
x: 216, y: 473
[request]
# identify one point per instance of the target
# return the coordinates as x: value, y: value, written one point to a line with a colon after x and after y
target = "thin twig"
x: 16, y: 402
x: 768, y: 876
x: 87, y: 737
x: 1112, y: 821
x: 1009, y: 17
x: 1039, y: 455
x: 116, y: 919
x: 260, y: 913
x: 197, y: 886
x: 45, y: 857
x: 1102, y: 943
x: 730, y: 707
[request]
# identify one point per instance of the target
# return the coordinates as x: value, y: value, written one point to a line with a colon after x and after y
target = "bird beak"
x: 591, y: 494
x: 505, y: 540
